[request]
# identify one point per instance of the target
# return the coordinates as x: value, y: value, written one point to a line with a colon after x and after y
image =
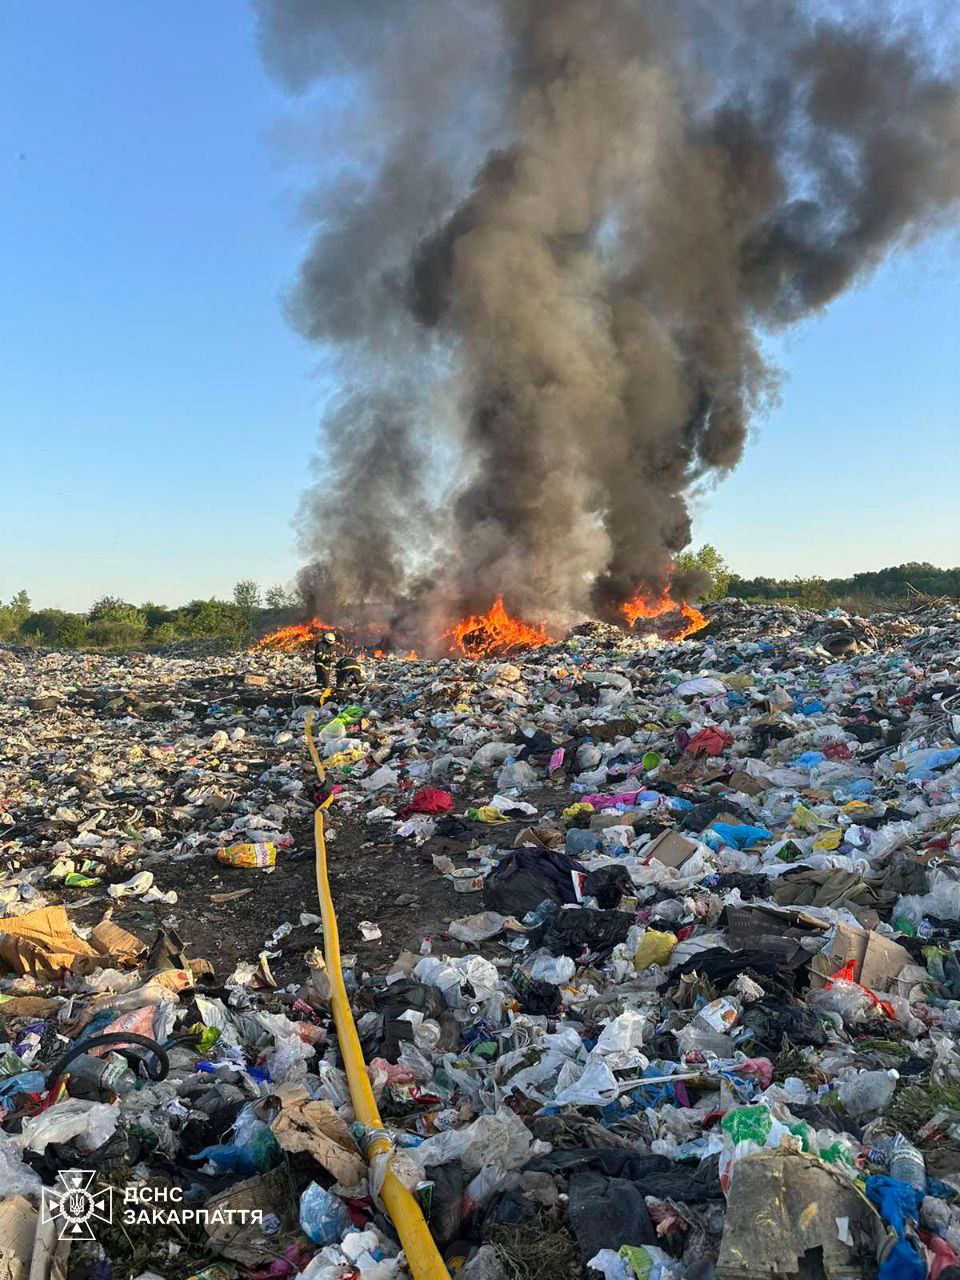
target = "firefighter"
x: 349, y: 672
x: 324, y: 653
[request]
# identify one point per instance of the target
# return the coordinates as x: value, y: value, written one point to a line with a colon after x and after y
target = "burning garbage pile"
x: 665, y: 926
x: 494, y: 633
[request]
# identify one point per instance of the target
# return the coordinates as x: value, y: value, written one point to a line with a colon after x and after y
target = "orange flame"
x: 289, y: 639
x: 644, y: 606
x: 495, y: 631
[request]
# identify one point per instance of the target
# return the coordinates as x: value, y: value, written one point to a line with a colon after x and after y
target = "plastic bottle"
x: 907, y: 1164
x: 427, y: 1035
x: 110, y: 1074
x: 868, y: 1091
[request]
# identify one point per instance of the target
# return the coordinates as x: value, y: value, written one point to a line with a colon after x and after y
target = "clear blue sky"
x: 157, y: 416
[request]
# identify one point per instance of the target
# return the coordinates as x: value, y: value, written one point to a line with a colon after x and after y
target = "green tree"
x: 72, y: 631
x: 246, y: 594
x: 114, y: 633
x: 810, y: 593
x: 276, y: 598
x: 166, y: 633
x: 216, y: 618
x: 19, y: 605
x: 708, y: 560
x: 42, y: 626
x: 113, y: 609
x: 155, y: 614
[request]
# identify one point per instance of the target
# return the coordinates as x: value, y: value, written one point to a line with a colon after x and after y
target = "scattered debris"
x: 709, y: 972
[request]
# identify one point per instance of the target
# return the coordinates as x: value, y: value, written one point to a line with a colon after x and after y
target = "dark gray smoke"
x: 554, y: 232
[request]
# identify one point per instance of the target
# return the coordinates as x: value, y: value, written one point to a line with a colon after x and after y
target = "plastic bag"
x: 453, y: 976
x: 254, y: 1149
x: 654, y: 947
x: 848, y: 999
x: 90, y: 1123
x: 485, y: 924
x: 543, y: 967
x: 595, y: 1087
x: 16, y: 1178
x: 517, y: 774
x: 501, y: 1139
x: 624, y: 1032
x: 323, y: 1217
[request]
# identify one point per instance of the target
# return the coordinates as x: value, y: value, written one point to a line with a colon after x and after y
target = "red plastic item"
x: 429, y: 800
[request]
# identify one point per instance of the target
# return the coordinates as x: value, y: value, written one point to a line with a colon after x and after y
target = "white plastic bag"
x: 91, y: 1123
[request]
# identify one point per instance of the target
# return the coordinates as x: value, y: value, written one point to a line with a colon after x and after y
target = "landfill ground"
x: 727, y: 865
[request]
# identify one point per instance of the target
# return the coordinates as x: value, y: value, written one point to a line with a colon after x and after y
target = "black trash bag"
x: 663, y: 1046
x: 446, y: 1201
x: 535, y: 745
x: 771, y: 1021
x: 119, y: 1150
x: 654, y: 1175
x: 722, y: 966
x: 450, y: 827
x: 534, y: 995
x: 609, y: 884
x: 701, y: 815
x: 606, y: 1213
x: 508, y: 1208
x: 749, y: 886
x: 394, y: 1000
x: 528, y: 876
x: 569, y: 933
x: 213, y: 1112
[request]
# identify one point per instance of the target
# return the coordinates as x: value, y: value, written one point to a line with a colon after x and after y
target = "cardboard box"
x: 878, y: 960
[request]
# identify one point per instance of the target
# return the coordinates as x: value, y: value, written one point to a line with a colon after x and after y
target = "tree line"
x: 113, y: 623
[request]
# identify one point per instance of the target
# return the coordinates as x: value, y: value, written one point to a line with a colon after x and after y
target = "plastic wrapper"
x: 251, y: 856
x: 16, y: 1177
x: 90, y: 1124
x: 848, y: 999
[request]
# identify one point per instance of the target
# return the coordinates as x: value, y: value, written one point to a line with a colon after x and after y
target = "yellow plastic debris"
x: 805, y: 819
x: 574, y: 810
x: 828, y: 840
x: 654, y: 948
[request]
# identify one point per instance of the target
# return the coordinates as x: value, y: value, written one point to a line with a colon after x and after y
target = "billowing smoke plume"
x: 548, y: 235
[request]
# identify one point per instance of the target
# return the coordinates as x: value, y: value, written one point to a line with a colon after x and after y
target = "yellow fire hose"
x: 422, y: 1256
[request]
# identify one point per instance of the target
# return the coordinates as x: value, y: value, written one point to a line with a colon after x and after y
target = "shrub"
x: 72, y: 631
x: 112, y: 609
x: 42, y: 626
x: 111, y: 634
x: 166, y: 633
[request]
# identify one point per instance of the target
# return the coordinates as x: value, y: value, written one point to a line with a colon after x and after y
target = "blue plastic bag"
x: 896, y: 1202
x: 323, y: 1216
x: 253, y: 1150
x: 737, y: 837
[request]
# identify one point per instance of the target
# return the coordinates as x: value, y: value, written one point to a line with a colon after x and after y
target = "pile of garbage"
x: 677, y: 996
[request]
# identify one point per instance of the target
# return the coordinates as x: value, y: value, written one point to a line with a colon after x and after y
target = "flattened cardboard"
x: 670, y: 848
x: 42, y: 943
x: 747, y: 783
x: 18, y: 1225
x: 780, y: 933
x: 305, y: 1124
x: 110, y: 940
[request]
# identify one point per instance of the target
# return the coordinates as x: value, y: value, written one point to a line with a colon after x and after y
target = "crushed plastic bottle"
x: 868, y: 1091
